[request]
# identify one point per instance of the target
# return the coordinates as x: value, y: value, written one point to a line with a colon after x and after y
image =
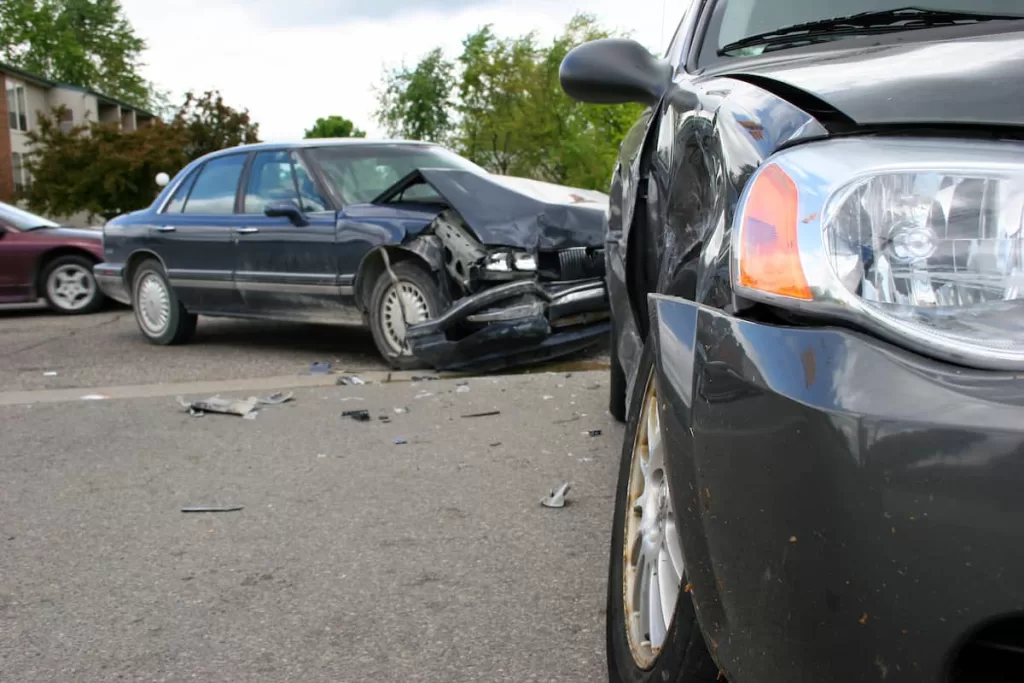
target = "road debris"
x: 352, y: 380
x: 462, y: 389
x: 547, y: 398
x: 495, y: 444
x: 50, y: 373
x: 556, y: 499
x: 357, y: 415
x: 593, y: 432
x: 400, y: 441
x: 401, y: 411
x: 423, y: 394
x: 213, y: 508
x: 489, y: 413
x: 318, y: 368
x: 384, y: 418
x: 245, y: 408
x: 424, y: 378
x: 94, y: 397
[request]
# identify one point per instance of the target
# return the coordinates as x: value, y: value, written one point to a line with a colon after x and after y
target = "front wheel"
x: 162, y: 319
x: 414, y: 298
x: 652, y: 630
x: 70, y: 287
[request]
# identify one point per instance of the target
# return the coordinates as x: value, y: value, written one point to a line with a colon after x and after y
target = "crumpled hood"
x: 517, y: 212
x: 971, y: 80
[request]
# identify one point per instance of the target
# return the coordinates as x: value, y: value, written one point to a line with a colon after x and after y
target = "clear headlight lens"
x: 506, y: 262
x: 919, y: 240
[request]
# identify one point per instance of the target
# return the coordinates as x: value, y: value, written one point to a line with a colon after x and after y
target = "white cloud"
x: 291, y: 61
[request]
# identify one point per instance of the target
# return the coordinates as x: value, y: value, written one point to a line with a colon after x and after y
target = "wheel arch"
x: 132, y: 263
x: 373, y: 266
x: 51, y: 255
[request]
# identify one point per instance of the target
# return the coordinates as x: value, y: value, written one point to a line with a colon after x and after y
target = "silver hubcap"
x: 153, y: 304
x: 652, y: 556
x: 408, y: 296
x: 71, y: 287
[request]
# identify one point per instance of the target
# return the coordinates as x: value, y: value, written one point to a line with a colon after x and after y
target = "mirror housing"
x: 614, y: 71
x: 286, y: 208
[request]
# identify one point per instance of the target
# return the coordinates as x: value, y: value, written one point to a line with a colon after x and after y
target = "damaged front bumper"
x: 519, y: 322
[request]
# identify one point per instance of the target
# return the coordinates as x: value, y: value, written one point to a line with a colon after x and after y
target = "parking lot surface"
x: 106, y: 349
x: 355, y: 558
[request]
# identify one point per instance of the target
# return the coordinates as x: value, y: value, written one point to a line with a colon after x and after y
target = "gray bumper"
x: 110, y: 280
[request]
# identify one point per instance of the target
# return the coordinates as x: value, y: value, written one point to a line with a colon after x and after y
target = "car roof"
x: 317, y: 142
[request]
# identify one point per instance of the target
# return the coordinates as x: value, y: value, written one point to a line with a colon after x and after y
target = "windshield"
x: 743, y: 18
x: 360, y: 173
x: 23, y: 220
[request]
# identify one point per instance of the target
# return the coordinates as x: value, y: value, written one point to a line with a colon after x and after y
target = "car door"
x: 17, y: 258
x: 287, y: 266
x: 194, y: 236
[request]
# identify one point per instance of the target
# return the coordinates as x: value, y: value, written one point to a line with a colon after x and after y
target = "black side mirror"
x: 614, y: 71
x: 286, y: 208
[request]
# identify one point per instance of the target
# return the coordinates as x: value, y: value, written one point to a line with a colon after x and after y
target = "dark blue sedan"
x: 449, y: 265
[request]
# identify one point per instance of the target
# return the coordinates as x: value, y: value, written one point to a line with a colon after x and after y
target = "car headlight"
x: 507, y: 261
x: 918, y: 240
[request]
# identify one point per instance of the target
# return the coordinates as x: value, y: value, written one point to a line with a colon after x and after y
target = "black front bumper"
x: 513, y: 324
x: 851, y: 511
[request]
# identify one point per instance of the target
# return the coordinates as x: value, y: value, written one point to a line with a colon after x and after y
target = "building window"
x: 67, y: 120
x: 21, y: 177
x: 17, y: 107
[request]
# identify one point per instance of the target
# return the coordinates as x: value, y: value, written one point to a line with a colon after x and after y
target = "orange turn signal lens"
x: 769, y: 259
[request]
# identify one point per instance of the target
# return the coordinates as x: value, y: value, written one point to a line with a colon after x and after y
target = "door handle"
x: 166, y: 228
x: 246, y: 231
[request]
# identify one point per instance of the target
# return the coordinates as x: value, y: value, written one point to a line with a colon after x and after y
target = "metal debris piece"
x: 351, y: 380
x: 423, y: 394
x: 556, y: 499
x: 224, y: 406
x: 401, y: 411
x: 487, y: 414
x: 358, y: 415
x: 318, y: 368
x: 277, y: 398
x: 495, y: 444
x: 593, y: 432
x: 213, y: 508
x: 50, y: 373
x: 384, y: 418
x: 400, y: 441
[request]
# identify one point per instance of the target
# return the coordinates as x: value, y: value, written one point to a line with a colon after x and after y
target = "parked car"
x: 447, y: 264
x: 42, y: 259
x: 814, y: 262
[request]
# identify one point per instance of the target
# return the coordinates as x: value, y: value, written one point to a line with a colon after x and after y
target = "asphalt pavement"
x: 106, y: 349
x: 355, y: 558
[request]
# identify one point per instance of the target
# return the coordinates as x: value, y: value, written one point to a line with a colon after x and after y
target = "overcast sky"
x: 291, y: 61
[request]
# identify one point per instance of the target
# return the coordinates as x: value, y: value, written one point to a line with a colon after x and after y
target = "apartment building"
x: 23, y: 96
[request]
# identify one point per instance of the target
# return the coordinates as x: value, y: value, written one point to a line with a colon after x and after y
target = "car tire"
x: 386, y: 324
x: 69, y: 286
x: 161, y: 317
x: 683, y: 656
x: 617, y: 384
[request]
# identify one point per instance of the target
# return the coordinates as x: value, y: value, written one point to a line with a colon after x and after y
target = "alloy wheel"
x: 652, y: 556
x: 71, y: 287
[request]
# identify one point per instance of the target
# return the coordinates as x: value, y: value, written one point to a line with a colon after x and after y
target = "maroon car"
x: 40, y: 258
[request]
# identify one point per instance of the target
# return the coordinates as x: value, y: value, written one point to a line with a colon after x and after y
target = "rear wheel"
x: 70, y: 287
x: 652, y: 630
x: 162, y: 319
x: 414, y: 298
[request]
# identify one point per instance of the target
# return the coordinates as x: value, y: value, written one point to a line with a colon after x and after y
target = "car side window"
x: 177, y: 202
x: 270, y: 180
x: 215, y: 189
x: 312, y: 199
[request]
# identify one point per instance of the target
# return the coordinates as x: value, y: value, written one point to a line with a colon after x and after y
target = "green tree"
x: 210, y: 124
x: 88, y: 43
x: 416, y: 103
x: 334, y: 127
x: 98, y: 169
x: 508, y: 112
x: 104, y: 171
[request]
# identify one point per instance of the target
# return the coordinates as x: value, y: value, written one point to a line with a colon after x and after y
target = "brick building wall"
x: 6, y: 171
